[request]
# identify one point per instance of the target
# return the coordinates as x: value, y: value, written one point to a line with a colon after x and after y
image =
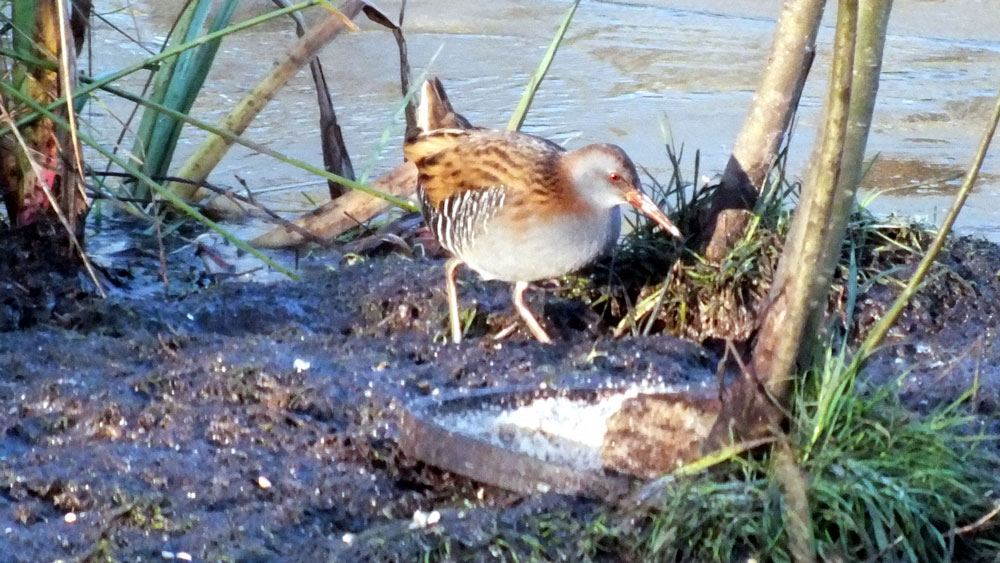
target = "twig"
x: 387, y: 233
x: 162, y: 250
x: 720, y: 372
x: 882, y: 327
x: 67, y: 77
x: 249, y: 199
x: 801, y: 540
x: 968, y: 528
x: 504, y: 333
x: 203, y: 251
x: 358, y: 222
x: 659, y: 302
x: 731, y: 348
x: 762, y: 387
x: 965, y: 354
x: 111, y: 24
x: 982, y: 521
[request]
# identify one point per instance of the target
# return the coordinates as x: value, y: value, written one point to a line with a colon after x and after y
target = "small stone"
x: 423, y: 519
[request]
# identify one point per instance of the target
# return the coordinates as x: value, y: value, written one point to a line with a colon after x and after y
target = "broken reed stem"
x: 404, y: 69
x: 208, y: 154
x: 799, y: 527
x: 259, y: 148
x: 336, y: 159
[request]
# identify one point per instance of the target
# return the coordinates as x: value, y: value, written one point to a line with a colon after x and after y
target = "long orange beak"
x: 643, y: 203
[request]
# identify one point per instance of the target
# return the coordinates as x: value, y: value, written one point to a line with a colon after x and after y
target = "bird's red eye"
x: 615, y: 177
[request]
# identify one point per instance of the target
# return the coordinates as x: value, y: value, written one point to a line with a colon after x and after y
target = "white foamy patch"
x: 561, y: 430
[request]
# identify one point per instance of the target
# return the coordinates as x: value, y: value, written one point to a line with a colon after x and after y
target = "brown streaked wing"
x: 452, y: 161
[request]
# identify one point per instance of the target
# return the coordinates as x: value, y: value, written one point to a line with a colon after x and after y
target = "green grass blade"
x: 151, y: 144
x: 23, y: 13
x: 166, y: 130
x: 524, y: 105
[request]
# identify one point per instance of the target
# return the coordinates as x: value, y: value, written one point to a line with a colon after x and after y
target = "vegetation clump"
x: 884, y: 484
x: 654, y: 284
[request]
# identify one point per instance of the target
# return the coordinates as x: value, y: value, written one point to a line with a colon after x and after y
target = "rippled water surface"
x: 628, y: 71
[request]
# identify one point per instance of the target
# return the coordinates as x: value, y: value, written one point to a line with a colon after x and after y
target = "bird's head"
x: 605, y: 176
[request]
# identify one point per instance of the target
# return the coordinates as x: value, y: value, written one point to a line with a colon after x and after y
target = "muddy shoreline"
x: 253, y: 422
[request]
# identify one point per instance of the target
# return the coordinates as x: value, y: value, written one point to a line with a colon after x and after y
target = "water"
x: 627, y: 72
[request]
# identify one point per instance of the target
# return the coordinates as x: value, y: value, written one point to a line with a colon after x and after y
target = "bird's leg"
x: 450, y: 269
x: 532, y: 323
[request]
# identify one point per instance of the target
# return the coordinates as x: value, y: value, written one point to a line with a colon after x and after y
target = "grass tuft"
x: 883, y: 484
x: 656, y: 284
x: 876, y: 482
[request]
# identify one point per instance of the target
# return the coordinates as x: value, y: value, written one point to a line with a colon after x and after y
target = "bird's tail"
x: 435, y: 111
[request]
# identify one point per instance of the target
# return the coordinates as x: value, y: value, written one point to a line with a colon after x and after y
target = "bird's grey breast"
x: 543, y: 248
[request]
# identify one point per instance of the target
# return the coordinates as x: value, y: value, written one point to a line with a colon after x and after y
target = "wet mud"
x: 253, y: 422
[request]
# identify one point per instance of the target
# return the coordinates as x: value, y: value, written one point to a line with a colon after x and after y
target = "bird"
x: 519, y: 208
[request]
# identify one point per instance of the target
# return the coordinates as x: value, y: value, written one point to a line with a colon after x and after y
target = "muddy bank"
x: 154, y: 422
x: 249, y: 422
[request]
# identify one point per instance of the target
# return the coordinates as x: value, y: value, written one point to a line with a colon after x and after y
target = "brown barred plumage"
x: 519, y: 208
